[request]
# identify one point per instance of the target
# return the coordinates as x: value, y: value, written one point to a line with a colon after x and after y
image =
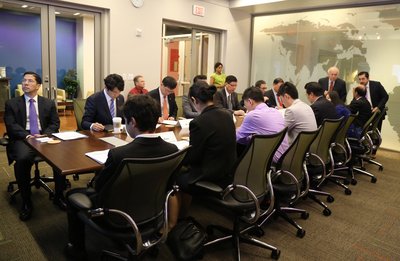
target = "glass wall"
x: 300, y: 47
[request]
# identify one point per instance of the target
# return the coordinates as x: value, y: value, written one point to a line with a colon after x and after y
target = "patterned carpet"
x: 363, y: 226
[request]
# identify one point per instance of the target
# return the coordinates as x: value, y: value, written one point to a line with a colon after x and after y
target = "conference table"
x: 68, y: 157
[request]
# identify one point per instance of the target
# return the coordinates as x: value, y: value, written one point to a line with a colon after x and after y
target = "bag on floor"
x: 186, y: 240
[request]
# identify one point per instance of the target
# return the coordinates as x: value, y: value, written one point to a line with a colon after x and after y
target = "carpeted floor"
x: 363, y: 226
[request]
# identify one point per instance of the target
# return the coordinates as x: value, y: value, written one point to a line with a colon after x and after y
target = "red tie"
x: 279, y: 100
x: 331, y: 86
x: 165, y: 109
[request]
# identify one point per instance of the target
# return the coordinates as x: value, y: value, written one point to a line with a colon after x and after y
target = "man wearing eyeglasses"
x: 228, y: 98
x: 101, y: 107
x: 26, y: 117
x: 165, y: 97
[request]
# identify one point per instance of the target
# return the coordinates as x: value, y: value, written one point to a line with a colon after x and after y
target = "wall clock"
x: 137, y: 3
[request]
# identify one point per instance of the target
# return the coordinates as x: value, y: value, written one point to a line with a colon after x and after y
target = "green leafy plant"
x: 71, y: 83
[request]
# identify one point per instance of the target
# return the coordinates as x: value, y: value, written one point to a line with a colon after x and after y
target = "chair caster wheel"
x: 327, y: 212
x: 380, y: 168
x: 75, y: 177
x: 10, y: 188
x: 354, y: 182
x: 301, y: 233
x: 347, y: 191
x: 330, y: 199
x: 275, y: 254
x: 346, y: 182
x: 305, y: 215
x: 51, y: 196
x: 12, y: 200
x: 373, y: 180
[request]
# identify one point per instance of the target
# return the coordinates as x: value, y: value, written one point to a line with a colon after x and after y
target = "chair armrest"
x: 80, y: 201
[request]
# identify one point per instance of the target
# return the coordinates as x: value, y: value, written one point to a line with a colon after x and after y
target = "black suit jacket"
x: 378, y: 95
x: 339, y: 86
x: 173, y: 107
x: 323, y: 109
x: 363, y: 108
x: 212, y: 154
x: 221, y: 100
x: 98, y: 110
x: 141, y: 147
x: 15, y: 119
x: 271, y: 98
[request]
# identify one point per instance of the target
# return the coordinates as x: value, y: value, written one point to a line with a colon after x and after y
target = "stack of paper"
x: 100, y: 156
x: 69, y: 135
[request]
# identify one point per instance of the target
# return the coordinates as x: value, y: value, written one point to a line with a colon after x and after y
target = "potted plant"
x: 71, y: 83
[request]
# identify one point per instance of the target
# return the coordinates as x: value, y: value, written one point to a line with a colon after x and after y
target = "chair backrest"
x: 79, y: 109
x: 139, y: 187
x: 342, y: 132
x: 367, y: 126
x: 292, y: 160
x: 322, y: 143
x: 254, y: 163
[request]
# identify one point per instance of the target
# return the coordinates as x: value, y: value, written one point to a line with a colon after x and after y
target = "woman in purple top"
x: 341, y: 109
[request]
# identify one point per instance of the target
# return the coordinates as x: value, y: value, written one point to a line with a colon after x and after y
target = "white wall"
x: 142, y: 55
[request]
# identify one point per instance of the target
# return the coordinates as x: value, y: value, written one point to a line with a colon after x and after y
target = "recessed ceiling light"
x: 57, y: 13
x: 77, y: 13
x: 24, y: 6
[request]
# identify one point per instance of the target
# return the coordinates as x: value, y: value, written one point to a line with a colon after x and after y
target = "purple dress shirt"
x: 262, y: 120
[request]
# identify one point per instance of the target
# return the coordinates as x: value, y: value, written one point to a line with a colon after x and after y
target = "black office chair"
x: 320, y: 163
x: 342, y: 152
x: 363, y: 147
x: 37, y: 180
x: 250, y: 188
x: 132, y: 208
x: 290, y: 180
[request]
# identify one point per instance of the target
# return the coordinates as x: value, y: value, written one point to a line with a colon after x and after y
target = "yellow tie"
x: 165, y: 109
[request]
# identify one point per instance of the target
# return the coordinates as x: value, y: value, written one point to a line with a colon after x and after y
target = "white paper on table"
x: 99, y: 156
x: 69, y: 135
x: 185, y: 123
x: 114, y: 141
x: 168, y: 136
x: 169, y: 122
x: 181, y: 144
x: 44, y: 139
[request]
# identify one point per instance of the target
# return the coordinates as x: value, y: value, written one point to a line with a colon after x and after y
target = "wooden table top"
x: 68, y: 157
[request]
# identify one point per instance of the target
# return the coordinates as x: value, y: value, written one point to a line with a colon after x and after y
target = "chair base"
x: 312, y: 193
x: 37, y: 181
x: 240, y: 236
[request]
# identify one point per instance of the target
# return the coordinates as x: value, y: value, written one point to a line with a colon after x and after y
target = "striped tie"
x: 112, y: 108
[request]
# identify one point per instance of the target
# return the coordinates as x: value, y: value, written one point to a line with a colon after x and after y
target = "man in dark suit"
x: 359, y: 105
x: 333, y: 83
x: 101, y: 107
x: 227, y: 97
x: 273, y: 99
x: 165, y: 96
x: 375, y: 94
x: 323, y: 109
x: 26, y: 117
x: 141, y: 116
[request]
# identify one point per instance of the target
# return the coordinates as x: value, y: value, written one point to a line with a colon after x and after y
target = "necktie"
x: 165, y: 109
x: 279, y: 100
x: 229, y: 102
x: 112, y: 108
x: 33, y: 119
x: 367, y: 95
x: 331, y: 86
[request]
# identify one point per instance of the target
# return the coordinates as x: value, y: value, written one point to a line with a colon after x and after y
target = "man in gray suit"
x: 298, y: 115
